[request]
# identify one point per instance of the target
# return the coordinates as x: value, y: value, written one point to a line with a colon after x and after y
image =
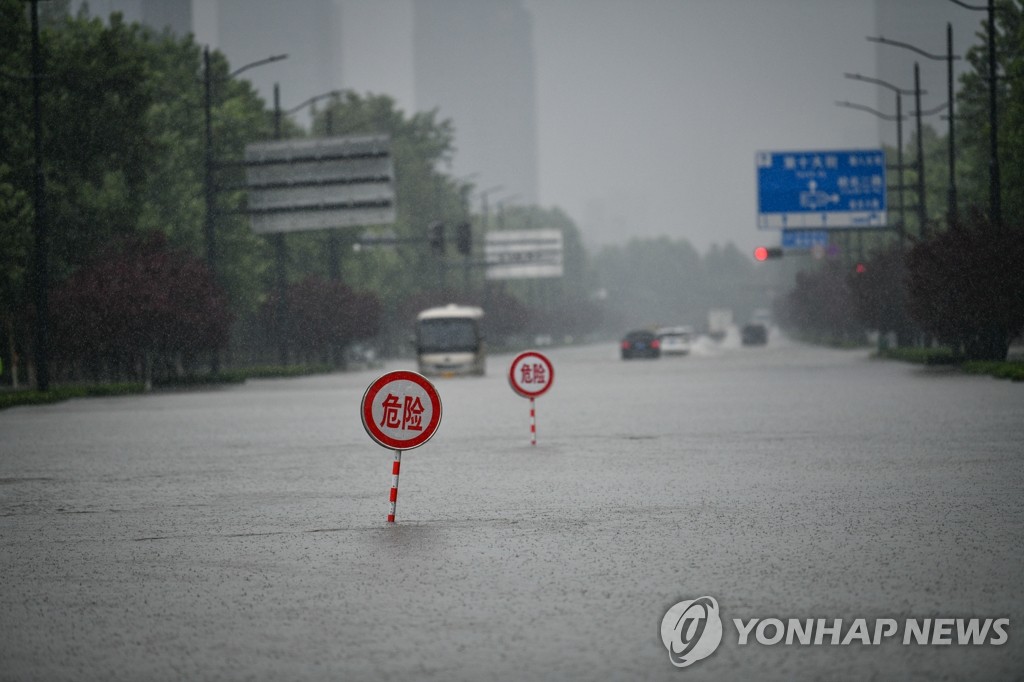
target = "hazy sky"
x: 650, y: 112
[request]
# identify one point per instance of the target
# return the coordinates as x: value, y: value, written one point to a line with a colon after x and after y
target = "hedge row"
x: 1010, y: 369
x: 237, y: 376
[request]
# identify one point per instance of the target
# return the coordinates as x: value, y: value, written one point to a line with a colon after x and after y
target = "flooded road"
x: 239, y: 533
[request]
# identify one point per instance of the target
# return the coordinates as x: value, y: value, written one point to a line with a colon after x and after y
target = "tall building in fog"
x: 474, y: 63
x: 174, y: 15
x: 248, y: 31
x: 472, y: 60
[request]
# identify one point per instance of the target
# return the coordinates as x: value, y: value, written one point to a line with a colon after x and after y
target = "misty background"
x: 637, y: 119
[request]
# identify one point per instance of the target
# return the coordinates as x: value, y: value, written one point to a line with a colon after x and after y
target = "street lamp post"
x: 280, y: 259
x: 41, y: 246
x: 949, y: 57
x: 333, y: 255
x: 954, y: 214
x: 993, y: 123
x: 899, y: 138
x: 280, y: 245
x: 922, y: 212
x: 502, y: 202
x: 209, y: 186
x: 485, y: 211
x: 483, y: 203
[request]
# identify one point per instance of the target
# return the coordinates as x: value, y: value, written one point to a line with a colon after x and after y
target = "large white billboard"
x: 312, y: 184
x: 523, y: 254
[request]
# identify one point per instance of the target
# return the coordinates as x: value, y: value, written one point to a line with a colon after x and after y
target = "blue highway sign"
x: 821, y: 189
x: 804, y: 239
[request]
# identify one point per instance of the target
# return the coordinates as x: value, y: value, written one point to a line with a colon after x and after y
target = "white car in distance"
x: 675, y: 340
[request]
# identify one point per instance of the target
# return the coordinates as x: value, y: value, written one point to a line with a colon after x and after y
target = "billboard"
x: 311, y: 184
x: 523, y: 254
x: 832, y: 189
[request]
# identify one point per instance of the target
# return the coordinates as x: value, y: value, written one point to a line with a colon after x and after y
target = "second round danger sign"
x: 531, y: 374
x: 401, y: 410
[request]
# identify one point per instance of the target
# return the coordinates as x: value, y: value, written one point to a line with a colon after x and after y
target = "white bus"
x: 449, y: 341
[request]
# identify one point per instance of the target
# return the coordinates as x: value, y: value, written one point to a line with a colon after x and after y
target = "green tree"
x: 96, y: 148
x: 973, y: 129
x: 15, y: 170
x: 420, y: 144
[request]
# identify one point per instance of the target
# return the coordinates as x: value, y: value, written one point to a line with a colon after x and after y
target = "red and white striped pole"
x: 394, y: 485
x: 533, y: 422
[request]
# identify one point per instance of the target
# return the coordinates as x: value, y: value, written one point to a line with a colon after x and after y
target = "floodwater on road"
x: 239, y: 533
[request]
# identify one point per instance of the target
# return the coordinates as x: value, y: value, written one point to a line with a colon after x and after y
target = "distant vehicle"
x: 640, y: 343
x: 719, y: 321
x: 359, y: 355
x: 675, y: 340
x: 762, y: 316
x: 449, y: 341
x: 754, y: 334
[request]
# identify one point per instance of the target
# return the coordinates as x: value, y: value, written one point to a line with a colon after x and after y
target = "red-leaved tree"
x: 322, y: 314
x: 141, y: 299
x: 967, y: 287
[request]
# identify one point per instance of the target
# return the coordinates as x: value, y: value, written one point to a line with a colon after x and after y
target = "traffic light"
x: 437, y: 237
x: 464, y: 238
x: 763, y: 253
x: 860, y: 268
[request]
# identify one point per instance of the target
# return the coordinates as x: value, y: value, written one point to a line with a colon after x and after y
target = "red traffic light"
x: 763, y: 253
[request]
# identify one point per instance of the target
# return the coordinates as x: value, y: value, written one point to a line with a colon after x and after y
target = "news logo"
x: 691, y: 630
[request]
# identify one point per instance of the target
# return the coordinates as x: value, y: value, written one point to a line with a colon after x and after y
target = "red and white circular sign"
x: 531, y: 374
x: 401, y: 410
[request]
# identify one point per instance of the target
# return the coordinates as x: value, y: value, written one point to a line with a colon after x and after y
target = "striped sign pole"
x: 533, y: 422
x: 394, y: 485
x: 401, y: 411
x: 530, y: 375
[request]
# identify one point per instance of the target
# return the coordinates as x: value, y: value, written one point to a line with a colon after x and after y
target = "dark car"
x: 754, y: 334
x: 640, y: 344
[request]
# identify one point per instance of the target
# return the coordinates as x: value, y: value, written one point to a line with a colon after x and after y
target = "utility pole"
x: 954, y: 214
x: 994, y: 182
x: 41, y: 248
x: 280, y: 259
x: 901, y: 230
x: 922, y: 212
x: 995, y: 200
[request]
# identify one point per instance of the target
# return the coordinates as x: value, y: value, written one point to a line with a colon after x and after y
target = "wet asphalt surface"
x: 239, y: 533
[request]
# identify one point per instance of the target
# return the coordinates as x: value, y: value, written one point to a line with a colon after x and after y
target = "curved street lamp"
x: 901, y: 229
x: 280, y: 244
x: 333, y: 247
x: 949, y: 58
x: 899, y: 92
x: 209, y: 189
x: 209, y: 229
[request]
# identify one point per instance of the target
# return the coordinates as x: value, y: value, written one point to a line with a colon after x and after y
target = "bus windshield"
x: 448, y: 335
